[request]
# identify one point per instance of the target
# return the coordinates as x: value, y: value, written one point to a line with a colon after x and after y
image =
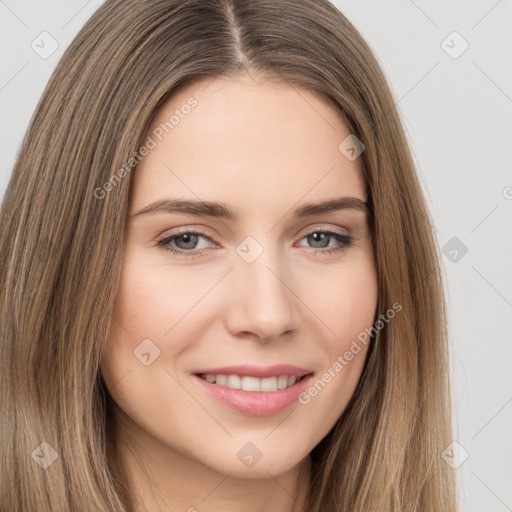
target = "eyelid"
x: 201, y: 230
x: 320, y: 227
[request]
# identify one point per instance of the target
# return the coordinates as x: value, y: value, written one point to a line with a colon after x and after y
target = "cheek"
x: 352, y: 318
x: 344, y: 297
x: 152, y: 299
x: 347, y: 305
x: 153, y: 302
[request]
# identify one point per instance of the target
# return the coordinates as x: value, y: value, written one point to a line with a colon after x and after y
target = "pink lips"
x: 256, y: 403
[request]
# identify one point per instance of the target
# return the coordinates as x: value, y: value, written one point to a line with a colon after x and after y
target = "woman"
x: 220, y: 281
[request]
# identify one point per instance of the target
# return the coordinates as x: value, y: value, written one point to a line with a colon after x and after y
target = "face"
x: 273, y: 294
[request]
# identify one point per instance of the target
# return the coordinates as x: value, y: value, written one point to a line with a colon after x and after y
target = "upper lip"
x: 257, y: 371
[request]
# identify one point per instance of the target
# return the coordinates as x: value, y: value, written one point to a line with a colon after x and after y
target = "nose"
x: 262, y: 301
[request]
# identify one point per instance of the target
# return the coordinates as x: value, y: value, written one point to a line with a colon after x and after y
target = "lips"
x: 254, y: 390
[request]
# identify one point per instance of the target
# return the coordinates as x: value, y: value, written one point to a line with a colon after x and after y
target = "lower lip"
x: 256, y: 403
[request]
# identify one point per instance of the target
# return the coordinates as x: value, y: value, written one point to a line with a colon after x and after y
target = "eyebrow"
x: 223, y: 211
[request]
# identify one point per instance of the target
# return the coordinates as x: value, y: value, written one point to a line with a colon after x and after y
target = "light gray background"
x: 457, y: 113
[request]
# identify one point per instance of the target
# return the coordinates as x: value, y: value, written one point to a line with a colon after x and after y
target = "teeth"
x: 282, y: 382
x: 234, y: 382
x: 247, y: 383
x: 251, y: 384
x: 269, y: 384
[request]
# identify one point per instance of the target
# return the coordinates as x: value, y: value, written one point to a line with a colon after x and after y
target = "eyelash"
x: 164, y: 243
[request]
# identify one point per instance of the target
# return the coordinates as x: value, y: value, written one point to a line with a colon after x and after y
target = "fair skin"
x: 263, y: 149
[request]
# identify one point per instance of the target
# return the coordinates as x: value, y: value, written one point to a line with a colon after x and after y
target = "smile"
x: 254, y: 390
x: 249, y: 383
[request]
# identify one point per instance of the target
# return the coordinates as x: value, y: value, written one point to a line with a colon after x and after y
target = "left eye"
x: 185, y: 242
x: 323, y: 236
x: 189, y: 238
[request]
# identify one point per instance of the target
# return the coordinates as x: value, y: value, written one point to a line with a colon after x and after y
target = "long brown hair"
x: 62, y: 244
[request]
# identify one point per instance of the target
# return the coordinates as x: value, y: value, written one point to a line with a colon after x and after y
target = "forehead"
x: 250, y: 143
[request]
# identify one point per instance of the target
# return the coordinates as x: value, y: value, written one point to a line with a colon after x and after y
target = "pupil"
x: 188, y: 239
x: 319, y: 237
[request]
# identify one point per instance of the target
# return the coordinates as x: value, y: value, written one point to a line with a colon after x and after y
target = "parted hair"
x: 61, y: 248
